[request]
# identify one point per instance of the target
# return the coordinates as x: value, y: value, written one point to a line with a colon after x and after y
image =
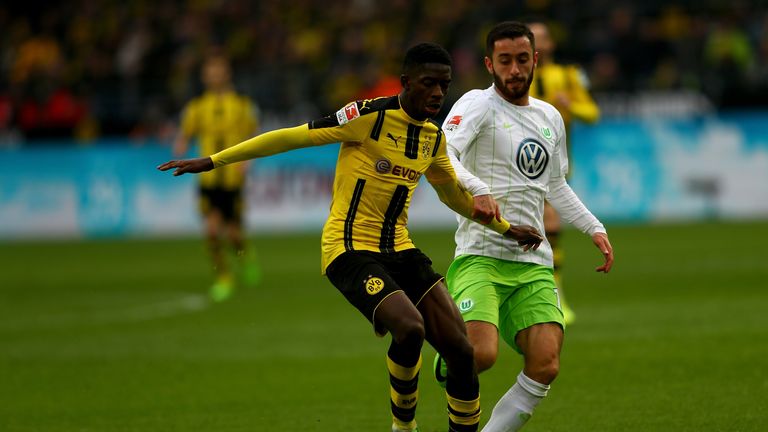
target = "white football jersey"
x: 517, y: 153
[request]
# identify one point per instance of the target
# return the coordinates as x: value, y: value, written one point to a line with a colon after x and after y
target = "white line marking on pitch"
x: 186, y: 304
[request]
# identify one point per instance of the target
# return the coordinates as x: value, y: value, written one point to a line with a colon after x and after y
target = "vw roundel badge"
x: 532, y: 158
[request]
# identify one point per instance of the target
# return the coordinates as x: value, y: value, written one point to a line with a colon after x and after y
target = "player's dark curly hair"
x: 424, y: 53
x: 508, y: 30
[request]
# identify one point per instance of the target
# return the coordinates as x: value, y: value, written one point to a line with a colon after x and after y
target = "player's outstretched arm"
x: 600, y: 240
x: 192, y: 166
x: 266, y: 144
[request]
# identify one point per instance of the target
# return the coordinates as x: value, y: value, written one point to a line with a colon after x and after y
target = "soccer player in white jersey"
x: 508, y: 150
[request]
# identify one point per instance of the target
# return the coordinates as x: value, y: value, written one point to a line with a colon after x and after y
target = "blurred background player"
x: 221, y: 118
x: 565, y: 87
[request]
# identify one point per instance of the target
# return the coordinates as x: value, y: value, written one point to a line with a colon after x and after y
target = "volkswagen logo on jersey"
x: 532, y: 158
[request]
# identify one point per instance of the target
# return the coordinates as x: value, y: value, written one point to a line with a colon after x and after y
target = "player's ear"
x: 405, y: 81
x: 488, y: 65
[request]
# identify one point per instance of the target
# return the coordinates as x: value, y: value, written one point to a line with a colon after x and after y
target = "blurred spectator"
x: 728, y: 56
x: 48, y: 110
x: 128, y: 66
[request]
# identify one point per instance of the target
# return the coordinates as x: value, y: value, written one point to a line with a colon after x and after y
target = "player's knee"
x: 459, y: 355
x: 410, y: 331
x: 462, y: 350
x: 213, y: 241
x: 484, y: 358
x: 547, y: 370
x: 212, y: 233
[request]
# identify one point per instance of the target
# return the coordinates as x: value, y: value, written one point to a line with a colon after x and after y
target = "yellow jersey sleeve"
x: 346, y: 125
x: 266, y: 144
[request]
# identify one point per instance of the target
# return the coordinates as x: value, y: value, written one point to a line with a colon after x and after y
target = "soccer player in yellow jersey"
x: 388, y: 143
x: 565, y: 87
x: 219, y: 119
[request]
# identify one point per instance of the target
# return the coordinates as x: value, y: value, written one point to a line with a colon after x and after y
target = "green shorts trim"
x: 510, y: 295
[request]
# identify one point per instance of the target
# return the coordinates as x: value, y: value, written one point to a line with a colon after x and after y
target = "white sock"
x: 516, y: 406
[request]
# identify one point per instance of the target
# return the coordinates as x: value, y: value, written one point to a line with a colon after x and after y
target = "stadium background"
x: 102, y: 273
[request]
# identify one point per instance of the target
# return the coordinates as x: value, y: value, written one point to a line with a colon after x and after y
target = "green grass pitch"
x: 118, y: 336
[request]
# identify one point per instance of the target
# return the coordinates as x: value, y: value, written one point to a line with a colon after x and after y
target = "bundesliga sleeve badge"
x: 453, y: 123
x: 348, y: 113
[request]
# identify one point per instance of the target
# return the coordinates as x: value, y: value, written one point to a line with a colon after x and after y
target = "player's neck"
x: 220, y: 90
x: 521, y: 101
x: 408, y: 109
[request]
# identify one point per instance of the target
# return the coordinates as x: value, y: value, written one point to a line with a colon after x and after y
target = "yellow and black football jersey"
x: 553, y: 79
x: 384, y: 152
x: 220, y: 121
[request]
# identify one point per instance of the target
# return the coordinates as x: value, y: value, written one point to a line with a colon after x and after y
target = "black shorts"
x: 228, y: 202
x: 367, y: 278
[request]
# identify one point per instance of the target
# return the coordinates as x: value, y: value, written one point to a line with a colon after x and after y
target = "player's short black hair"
x: 508, y: 30
x: 424, y: 53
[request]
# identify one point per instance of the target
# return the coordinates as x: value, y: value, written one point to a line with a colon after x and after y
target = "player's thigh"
x: 230, y: 204
x: 209, y: 205
x: 443, y: 323
x: 365, y: 281
x: 471, y: 281
x: 531, y: 300
x: 541, y: 342
x: 399, y: 316
x: 205, y: 200
x: 413, y: 271
x: 484, y: 338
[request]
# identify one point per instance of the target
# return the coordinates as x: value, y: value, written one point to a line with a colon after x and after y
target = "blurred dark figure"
x: 728, y: 57
x: 567, y: 89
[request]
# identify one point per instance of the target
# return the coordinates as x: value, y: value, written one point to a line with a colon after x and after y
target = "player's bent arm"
x: 469, y: 181
x: 266, y: 144
x: 462, y: 202
x: 583, y: 106
x: 442, y: 176
x: 571, y: 209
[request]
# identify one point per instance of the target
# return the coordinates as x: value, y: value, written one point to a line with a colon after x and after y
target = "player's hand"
x: 527, y: 236
x: 601, y: 241
x: 485, y: 209
x: 184, y: 166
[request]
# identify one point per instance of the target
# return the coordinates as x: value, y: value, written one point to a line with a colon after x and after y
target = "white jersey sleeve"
x: 571, y: 209
x: 461, y: 128
x: 560, y: 194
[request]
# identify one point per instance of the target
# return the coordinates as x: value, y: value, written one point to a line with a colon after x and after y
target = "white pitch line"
x: 186, y: 304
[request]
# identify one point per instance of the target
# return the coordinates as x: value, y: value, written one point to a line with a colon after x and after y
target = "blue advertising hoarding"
x: 624, y: 170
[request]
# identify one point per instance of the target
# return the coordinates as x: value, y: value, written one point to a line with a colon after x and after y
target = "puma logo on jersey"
x: 390, y: 136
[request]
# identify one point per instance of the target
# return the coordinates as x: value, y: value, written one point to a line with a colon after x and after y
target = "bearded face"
x: 512, y: 66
